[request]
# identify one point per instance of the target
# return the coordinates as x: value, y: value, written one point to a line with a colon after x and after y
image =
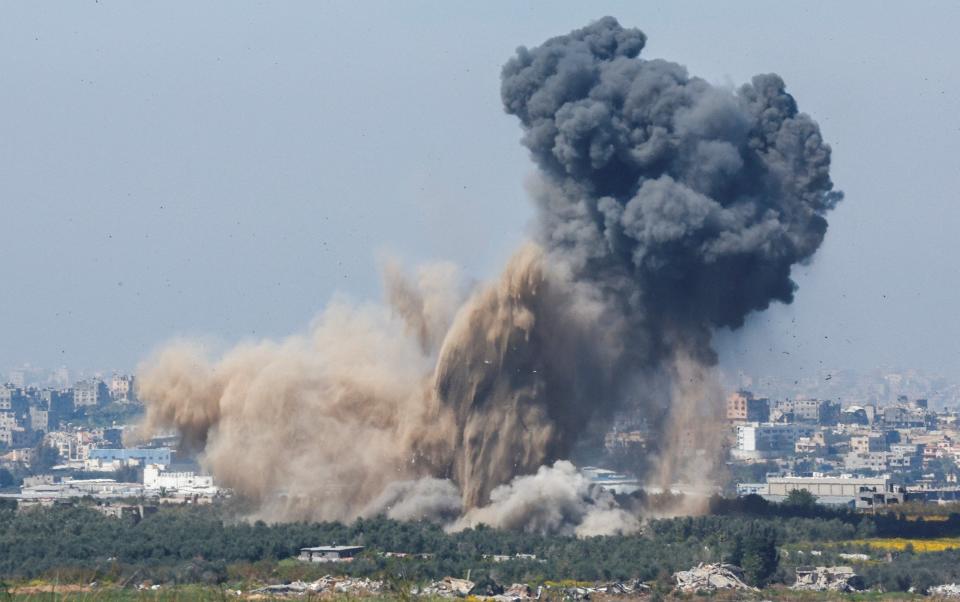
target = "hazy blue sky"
x: 220, y: 170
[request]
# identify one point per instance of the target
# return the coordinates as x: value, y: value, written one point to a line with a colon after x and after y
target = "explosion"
x: 666, y: 208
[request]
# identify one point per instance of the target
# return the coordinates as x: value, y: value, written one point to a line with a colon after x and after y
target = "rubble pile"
x: 710, y: 577
x: 517, y: 593
x: 828, y: 578
x: 614, y: 588
x: 448, y: 587
x: 285, y: 589
x: 947, y: 590
x: 324, y: 585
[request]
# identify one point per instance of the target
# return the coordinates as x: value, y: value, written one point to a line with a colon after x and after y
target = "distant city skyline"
x: 161, y: 179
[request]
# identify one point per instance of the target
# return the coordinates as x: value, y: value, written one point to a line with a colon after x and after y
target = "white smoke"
x: 556, y: 499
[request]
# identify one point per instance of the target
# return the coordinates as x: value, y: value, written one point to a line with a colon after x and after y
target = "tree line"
x: 210, y: 544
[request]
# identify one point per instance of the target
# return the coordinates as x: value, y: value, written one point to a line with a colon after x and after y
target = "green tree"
x: 801, y: 499
x: 760, y: 557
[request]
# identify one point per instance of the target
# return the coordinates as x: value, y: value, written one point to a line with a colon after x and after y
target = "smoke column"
x: 666, y: 208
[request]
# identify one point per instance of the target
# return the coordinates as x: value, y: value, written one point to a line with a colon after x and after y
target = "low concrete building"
x: 69, y: 488
x: 135, y: 512
x: 154, y: 478
x: 878, y: 461
x: 329, y: 553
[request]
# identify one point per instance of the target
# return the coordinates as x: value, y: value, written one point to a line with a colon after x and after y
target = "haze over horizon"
x: 162, y: 179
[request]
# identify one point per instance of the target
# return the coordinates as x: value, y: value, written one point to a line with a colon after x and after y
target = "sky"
x: 222, y: 170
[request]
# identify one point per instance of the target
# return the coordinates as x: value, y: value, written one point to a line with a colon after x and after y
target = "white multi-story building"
x: 758, y: 440
x: 12, y: 398
x: 14, y: 432
x: 122, y: 387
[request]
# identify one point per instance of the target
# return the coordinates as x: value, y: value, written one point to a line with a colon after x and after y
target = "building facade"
x: 90, y: 393
x: 158, y: 455
x: 742, y: 406
x: 758, y: 440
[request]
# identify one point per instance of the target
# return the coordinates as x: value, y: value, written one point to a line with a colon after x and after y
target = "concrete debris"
x: 147, y: 586
x: 614, y: 588
x: 517, y: 593
x: 827, y: 578
x: 283, y: 589
x: 448, y: 587
x: 711, y: 577
x: 947, y: 590
x: 323, y: 585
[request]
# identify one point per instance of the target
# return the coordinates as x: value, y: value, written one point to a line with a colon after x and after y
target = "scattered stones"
x: 711, y: 577
x: 611, y: 589
x: 947, y: 590
x: 326, y: 584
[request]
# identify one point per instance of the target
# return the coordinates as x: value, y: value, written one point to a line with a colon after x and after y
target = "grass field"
x: 75, y: 593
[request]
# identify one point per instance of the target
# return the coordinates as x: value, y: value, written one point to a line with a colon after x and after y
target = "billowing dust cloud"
x: 666, y: 208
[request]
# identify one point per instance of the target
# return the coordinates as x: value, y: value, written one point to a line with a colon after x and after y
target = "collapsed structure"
x: 827, y: 578
x: 710, y: 578
x: 667, y: 207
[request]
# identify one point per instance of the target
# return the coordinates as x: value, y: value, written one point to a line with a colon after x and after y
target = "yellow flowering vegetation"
x: 899, y: 544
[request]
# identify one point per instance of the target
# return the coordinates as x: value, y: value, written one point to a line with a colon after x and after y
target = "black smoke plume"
x: 691, y: 201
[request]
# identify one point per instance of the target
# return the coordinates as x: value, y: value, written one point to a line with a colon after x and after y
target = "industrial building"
x: 843, y: 490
